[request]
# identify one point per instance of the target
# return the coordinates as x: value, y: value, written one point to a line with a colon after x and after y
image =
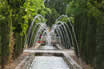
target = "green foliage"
x: 76, y: 8
x: 0, y: 47
x: 88, y: 19
x: 58, y: 5
x: 93, y: 11
x: 15, y: 17
x: 51, y: 17
x: 100, y: 44
x: 5, y: 28
x: 32, y: 8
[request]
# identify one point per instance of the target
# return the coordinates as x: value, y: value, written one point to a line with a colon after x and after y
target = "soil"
x: 81, y: 63
x: 13, y: 64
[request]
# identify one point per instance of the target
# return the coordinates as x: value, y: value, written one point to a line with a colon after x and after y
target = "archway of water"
x: 65, y: 32
x: 60, y: 36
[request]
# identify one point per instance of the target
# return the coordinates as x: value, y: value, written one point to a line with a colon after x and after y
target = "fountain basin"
x: 46, y: 47
x: 49, y: 62
x: 51, y: 59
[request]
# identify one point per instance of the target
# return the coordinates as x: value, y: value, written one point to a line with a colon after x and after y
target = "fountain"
x: 33, y: 28
x: 59, y: 36
x: 59, y: 27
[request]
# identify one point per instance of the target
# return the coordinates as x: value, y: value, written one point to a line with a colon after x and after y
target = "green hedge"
x: 18, y: 47
x: 89, y: 28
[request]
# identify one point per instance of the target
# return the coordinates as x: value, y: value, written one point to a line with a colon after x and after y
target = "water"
x: 65, y: 31
x: 49, y: 62
x: 59, y: 29
x: 47, y: 47
x: 32, y: 28
x: 72, y: 29
x: 48, y: 37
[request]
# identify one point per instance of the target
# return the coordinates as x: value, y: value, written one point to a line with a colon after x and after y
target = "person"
x: 40, y: 36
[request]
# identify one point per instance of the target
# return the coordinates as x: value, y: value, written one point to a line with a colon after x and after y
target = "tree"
x: 88, y: 15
